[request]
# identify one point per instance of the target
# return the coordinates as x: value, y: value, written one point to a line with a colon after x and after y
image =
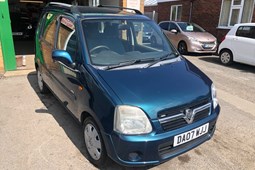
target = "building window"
x: 235, y: 11
x: 176, y: 13
x: 94, y: 2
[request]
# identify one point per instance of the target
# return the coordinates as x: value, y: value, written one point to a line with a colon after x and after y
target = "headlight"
x: 131, y: 120
x: 214, y: 96
x: 192, y: 39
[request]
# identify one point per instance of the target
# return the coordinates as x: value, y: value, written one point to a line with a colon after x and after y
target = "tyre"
x: 226, y: 57
x: 42, y: 86
x: 94, y: 143
x: 182, y: 47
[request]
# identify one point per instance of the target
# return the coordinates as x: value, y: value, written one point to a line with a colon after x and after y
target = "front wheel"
x: 226, y: 57
x: 94, y: 143
x: 182, y: 48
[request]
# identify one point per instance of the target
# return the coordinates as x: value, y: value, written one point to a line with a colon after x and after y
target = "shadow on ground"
x: 71, y: 127
x: 238, y: 66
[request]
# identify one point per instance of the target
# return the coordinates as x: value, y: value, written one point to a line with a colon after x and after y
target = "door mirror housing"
x: 62, y: 56
x: 174, y: 31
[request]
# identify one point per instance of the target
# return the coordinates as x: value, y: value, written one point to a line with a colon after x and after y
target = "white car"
x: 239, y: 45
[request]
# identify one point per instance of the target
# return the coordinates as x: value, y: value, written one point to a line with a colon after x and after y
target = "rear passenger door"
x: 243, y: 45
x: 47, y: 42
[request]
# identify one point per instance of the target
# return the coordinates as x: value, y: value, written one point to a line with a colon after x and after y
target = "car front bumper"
x: 155, y: 148
x: 202, y: 47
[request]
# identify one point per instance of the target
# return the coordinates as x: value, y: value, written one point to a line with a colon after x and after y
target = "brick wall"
x: 253, y: 18
x: 205, y: 13
x: 151, y: 8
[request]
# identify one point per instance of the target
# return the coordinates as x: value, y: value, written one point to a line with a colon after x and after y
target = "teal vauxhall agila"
x: 139, y: 103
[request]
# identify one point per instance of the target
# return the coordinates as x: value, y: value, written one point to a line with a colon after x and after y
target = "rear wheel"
x: 226, y: 57
x: 42, y: 86
x: 182, y: 47
x: 94, y: 143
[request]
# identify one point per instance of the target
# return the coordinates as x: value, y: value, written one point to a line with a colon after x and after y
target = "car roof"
x: 176, y: 22
x: 244, y: 24
x: 100, y: 11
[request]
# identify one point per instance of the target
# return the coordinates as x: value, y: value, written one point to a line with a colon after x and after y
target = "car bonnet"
x: 158, y: 88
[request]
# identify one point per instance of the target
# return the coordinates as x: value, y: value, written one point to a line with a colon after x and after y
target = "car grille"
x: 178, y: 118
x: 208, y: 45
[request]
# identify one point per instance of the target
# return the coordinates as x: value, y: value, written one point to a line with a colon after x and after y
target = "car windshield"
x: 190, y: 27
x: 122, y: 42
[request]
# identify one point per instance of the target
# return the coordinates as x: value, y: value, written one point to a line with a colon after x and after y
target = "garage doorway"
x: 24, y: 15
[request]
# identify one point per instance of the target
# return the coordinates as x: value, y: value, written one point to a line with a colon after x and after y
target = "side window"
x: 173, y: 26
x: 67, y: 37
x: 50, y: 28
x: 246, y: 31
x: 164, y: 25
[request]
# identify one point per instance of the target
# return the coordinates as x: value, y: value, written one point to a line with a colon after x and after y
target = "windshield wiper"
x: 165, y: 57
x: 122, y: 64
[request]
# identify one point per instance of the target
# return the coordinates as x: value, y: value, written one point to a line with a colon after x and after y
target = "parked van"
x: 238, y: 45
x: 139, y: 105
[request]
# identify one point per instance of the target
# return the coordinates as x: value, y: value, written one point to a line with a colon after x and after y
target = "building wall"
x: 205, y: 13
x: 151, y: 8
x: 253, y: 18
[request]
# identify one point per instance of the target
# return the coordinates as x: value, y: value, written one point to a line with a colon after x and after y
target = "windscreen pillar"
x: 7, y: 54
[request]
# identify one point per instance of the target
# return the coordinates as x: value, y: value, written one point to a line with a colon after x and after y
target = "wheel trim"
x: 182, y: 48
x: 225, y: 57
x: 93, y: 142
x: 40, y: 80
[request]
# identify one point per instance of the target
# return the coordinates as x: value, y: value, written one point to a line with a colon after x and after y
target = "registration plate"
x: 190, y: 135
x: 209, y: 45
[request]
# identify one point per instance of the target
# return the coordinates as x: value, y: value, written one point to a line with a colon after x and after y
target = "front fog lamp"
x: 131, y: 120
x: 214, y: 96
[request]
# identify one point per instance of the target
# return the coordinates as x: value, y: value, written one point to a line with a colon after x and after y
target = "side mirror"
x: 62, y: 56
x: 174, y: 31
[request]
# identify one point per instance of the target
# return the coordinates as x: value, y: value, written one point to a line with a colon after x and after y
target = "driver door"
x: 67, y: 76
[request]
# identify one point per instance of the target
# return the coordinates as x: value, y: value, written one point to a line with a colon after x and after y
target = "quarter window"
x: 50, y: 25
x: 235, y: 11
x: 176, y: 12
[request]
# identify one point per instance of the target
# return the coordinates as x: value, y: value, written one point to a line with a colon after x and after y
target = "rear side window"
x: 50, y: 28
x: 246, y: 31
x: 164, y: 25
